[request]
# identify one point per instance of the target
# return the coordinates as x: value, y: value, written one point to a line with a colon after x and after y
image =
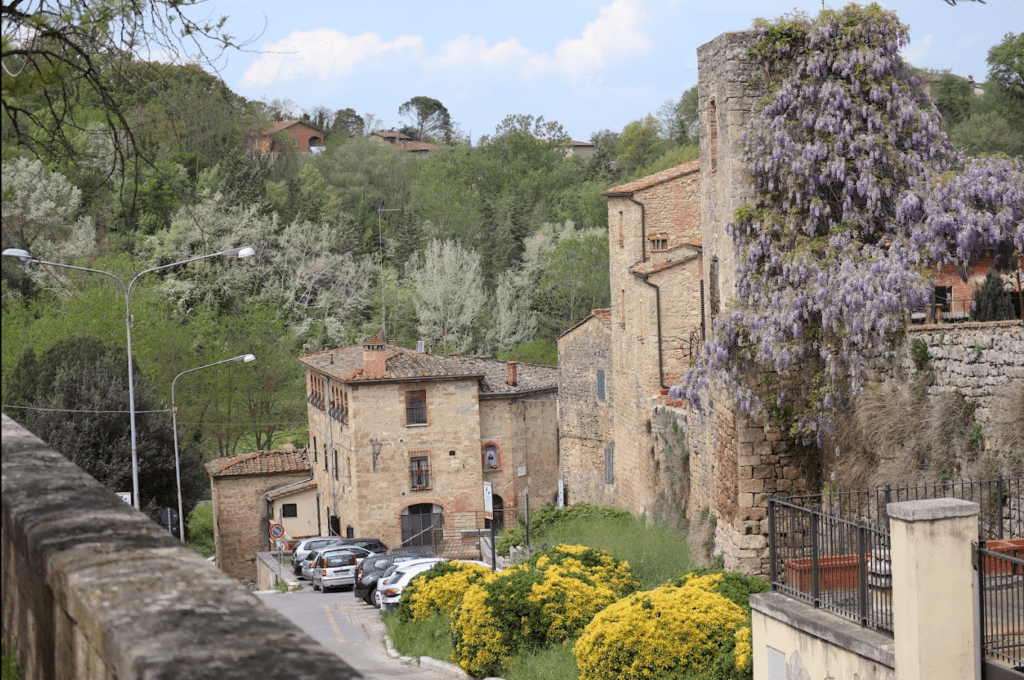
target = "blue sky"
x: 588, y: 65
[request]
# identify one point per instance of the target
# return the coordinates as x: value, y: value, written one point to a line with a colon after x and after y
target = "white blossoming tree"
x: 450, y: 294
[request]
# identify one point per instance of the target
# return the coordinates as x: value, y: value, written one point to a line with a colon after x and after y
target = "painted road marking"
x: 334, y: 625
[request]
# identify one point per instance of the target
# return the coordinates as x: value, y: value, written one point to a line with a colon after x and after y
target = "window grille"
x: 416, y: 408
x: 609, y: 464
x: 290, y: 510
x: 419, y: 473
x: 601, y: 396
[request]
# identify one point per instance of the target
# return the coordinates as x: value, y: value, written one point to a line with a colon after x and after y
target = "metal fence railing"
x: 831, y: 563
x: 1000, y: 566
x: 454, y: 534
x: 1000, y: 501
x: 832, y: 550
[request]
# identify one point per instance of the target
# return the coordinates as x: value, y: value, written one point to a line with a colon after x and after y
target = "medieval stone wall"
x: 585, y: 427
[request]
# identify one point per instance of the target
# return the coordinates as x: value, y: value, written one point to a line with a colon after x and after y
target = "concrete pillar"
x: 933, y: 591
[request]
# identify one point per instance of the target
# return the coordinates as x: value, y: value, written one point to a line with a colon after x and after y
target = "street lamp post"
x: 25, y: 258
x: 174, y: 419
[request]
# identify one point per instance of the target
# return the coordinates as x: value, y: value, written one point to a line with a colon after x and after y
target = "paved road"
x: 349, y: 628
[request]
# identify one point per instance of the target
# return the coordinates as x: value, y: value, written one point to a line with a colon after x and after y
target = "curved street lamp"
x: 25, y: 258
x: 246, y: 358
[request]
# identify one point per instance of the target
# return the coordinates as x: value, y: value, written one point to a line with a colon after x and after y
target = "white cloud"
x: 916, y: 52
x: 322, y: 52
x: 614, y: 34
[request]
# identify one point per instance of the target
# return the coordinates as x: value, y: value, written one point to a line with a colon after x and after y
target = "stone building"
x: 403, y: 441
x: 655, y: 259
x: 241, y: 522
x: 586, y: 408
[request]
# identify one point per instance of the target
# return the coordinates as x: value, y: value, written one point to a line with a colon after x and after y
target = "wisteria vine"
x: 858, y: 192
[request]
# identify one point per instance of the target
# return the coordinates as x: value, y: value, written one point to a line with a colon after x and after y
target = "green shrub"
x: 670, y: 631
x: 200, y: 530
x: 529, y: 606
x: 439, y: 590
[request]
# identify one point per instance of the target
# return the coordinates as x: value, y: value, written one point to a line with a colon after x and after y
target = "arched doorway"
x: 498, y: 505
x: 419, y: 524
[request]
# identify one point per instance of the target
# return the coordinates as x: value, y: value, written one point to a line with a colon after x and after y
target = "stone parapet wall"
x: 94, y: 590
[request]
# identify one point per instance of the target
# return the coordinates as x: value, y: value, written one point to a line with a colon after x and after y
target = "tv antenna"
x: 380, y: 245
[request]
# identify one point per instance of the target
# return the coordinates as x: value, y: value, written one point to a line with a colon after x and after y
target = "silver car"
x: 334, y: 569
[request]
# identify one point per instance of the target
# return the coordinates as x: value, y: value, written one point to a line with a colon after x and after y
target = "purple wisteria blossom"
x: 858, y: 194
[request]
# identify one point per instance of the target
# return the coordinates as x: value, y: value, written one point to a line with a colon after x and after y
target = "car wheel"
x: 377, y: 598
x: 315, y: 586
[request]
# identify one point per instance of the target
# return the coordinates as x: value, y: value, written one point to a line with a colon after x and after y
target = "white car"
x: 391, y: 590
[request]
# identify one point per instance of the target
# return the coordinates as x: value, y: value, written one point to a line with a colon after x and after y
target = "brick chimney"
x: 374, y: 357
x: 513, y: 373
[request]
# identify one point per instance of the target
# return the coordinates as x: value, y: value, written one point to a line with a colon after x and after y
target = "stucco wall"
x: 94, y: 590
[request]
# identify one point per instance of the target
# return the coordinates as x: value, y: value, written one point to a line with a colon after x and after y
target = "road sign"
x: 276, y: 531
x: 169, y: 516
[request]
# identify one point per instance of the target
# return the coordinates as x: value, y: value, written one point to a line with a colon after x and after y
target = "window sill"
x: 417, y: 424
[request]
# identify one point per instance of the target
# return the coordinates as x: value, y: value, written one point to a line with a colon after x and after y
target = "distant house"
x: 403, y: 141
x: 294, y: 506
x: 241, y: 515
x: 288, y: 135
x: 402, y: 442
x: 581, y: 149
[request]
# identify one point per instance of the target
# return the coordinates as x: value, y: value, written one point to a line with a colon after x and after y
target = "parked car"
x: 313, y: 560
x: 334, y: 569
x: 372, y: 568
x: 374, y: 545
x: 391, y: 589
x: 303, y: 548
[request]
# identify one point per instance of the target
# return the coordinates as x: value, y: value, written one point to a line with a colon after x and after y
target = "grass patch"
x: 10, y: 667
x: 431, y: 638
x: 656, y: 552
x: 553, y: 663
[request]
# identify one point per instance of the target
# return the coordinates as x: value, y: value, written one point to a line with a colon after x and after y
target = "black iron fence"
x: 1000, y: 501
x: 1000, y: 566
x: 831, y: 563
x: 831, y: 550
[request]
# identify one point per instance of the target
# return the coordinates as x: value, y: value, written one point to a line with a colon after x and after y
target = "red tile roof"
x: 259, y: 463
x: 289, y: 489
x: 403, y: 364
x: 680, y: 254
x: 655, y: 179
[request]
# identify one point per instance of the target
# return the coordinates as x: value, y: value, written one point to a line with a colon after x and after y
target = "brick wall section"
x: 585, y: 424
x: 94, y: 590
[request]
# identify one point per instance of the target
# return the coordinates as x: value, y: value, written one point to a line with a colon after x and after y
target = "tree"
x: 427, y: 118
x: 953, y: 98
x: 348, y: 123
x: 640, y: 143
x: 679, y: 118
x: 512, y: 321
x: 450, y: 295
x: 990, y: 301
x: 81, y: 387
x: 68, y: 63
x: 574, y: 281
x: 857, y: 191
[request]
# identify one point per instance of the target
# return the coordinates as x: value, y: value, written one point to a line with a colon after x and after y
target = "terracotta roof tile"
x: 403, y: 364
x: 289, y: 489
x: 259, y: 463
x: 655, y: 179
x: 680, y: 255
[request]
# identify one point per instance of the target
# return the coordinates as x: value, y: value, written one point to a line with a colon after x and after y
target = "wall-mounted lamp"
x: 376, y: 446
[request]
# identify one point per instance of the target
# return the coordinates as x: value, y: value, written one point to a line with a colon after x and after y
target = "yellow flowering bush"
x: 664, y: 632
x: 439, y: 590
x: 548, y: 599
